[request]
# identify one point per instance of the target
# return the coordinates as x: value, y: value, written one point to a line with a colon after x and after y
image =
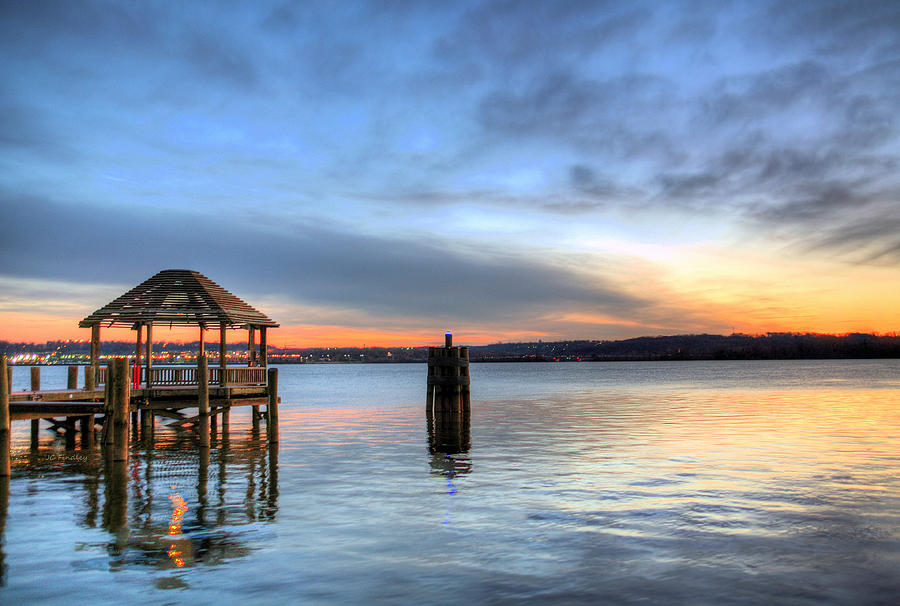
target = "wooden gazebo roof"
x: 178, y: 296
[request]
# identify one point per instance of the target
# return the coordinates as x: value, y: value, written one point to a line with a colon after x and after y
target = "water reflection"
x: 156, y: 507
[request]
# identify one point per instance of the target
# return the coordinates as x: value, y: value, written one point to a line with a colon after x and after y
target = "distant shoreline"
x: 771, y: 346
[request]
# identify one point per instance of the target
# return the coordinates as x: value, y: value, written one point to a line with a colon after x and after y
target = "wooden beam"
x: 172, y: 414
x: 251, y: 346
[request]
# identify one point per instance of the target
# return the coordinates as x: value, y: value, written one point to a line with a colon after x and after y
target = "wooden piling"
x: 448, y: 379
x: 9, y: 379
x: 226, y: 422
x: 272, y: 408
x: 4, y: 419
x: 203, y: 400
x: 70, y: 432
x: 90, y: 378
x: 432, y: 369
x: 146, y: 424
x: 106, y: 434
x: 72, y: 382
x: 254, y: 421
x: 86, y: 424
x: 121, y: 397
x: 36, y: 423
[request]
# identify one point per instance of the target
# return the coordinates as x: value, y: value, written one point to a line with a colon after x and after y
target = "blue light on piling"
x: 448, y: 339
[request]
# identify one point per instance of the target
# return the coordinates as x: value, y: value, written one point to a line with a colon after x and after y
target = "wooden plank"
x: 74, y: 395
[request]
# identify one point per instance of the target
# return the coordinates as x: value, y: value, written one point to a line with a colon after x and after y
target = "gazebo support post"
x: 149, y: 380
x: 95, y: 356
x: 263, y: 354
x: 251, y: 361
x: 139, y: 328
x: 222, y: 353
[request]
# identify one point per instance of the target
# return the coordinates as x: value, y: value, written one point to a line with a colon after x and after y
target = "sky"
x: 375, y: 173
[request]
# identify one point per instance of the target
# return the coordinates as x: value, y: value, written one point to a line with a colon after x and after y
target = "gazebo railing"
x: 165, y: 376
x: 238, y: 375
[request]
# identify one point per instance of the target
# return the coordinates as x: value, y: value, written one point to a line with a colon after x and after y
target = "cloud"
x: 214, y: 58
x: 610, y: 118
x: 314, y: 265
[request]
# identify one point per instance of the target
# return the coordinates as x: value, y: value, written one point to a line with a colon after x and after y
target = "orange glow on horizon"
x: 751, y: 289
x: 749, y: 318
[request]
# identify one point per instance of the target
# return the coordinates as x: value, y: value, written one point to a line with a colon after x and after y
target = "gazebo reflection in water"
x: 173, y: 507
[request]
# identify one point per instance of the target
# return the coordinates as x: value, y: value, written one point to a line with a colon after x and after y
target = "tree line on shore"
x: 679, y: 347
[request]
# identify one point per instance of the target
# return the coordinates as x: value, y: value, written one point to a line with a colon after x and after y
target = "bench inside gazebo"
x: 180, y: 297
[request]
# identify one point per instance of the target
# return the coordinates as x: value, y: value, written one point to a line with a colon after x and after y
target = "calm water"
x: 619, y: 483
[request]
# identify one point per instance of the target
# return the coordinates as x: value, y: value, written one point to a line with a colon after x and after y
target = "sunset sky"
x: 378, y: 172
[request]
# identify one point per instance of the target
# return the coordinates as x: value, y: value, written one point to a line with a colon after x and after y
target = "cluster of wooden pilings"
x: 122, y: 408
x: 447, y: 404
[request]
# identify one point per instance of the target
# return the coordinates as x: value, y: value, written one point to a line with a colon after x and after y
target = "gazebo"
x: 180, y: 297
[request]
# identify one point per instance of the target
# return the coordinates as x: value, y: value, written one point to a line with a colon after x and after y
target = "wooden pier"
x: 176, y: 398
x: 126, y: 397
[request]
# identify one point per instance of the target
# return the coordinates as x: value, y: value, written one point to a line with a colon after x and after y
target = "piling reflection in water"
x: 449, y: 440
x: 448, y: 431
